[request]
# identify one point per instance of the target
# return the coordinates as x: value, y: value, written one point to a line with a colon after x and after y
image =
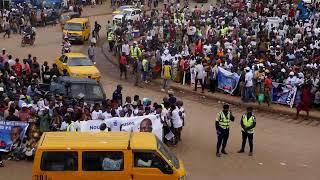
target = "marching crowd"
x: 23, y: 100
x: 263, y: 42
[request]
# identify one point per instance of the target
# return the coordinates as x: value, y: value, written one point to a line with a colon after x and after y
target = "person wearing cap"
x: 24, y: 113
x: 248, y: 123
x: 22, y: 100
x: 291, y: 80
x: 222, y: 126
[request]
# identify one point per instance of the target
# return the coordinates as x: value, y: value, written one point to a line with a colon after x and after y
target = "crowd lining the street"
x: 22, y: 99
x: 187, y: 45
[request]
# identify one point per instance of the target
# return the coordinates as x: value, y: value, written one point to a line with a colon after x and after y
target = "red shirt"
x: 268, y: 83
x: 26, y: 68
x: 18, y: 69
x: 123, y: 60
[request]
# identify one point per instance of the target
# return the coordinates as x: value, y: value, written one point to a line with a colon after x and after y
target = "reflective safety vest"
x: 224, y: 121
x: 71, y: 127
x: 110, y: 36
x: 199, y: 33
x: 135, y: 52
x: 247, y: 123
x: 224, y: 31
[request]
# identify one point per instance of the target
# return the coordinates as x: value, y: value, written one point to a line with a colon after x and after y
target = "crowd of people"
x: 23, y: 99
x: 263, y: 42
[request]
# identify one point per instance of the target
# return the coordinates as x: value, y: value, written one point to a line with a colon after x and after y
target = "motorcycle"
x: 65, y: 49
x: 27, y: 39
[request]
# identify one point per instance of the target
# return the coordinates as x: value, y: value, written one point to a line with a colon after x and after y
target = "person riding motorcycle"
x: 66, y: 45
x: 30, y: 33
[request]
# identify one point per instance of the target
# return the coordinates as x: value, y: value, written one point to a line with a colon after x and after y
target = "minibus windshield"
x: 168, y: 154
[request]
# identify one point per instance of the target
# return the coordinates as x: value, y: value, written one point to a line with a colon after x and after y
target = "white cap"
x: 166, y: 51
x: 3, y: 49
x: 24, y: 105
x: 247, y: 68
x: 291, y: 73
x: 300, y: 74
x: 283, y: 70
x: 1, y: 89
x: 135, y: 42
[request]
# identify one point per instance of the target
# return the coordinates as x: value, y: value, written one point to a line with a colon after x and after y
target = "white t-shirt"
x: 106, y: 115
x: 176, y: 120
x: 199, y: 69
x: 248, y: 79
x: 114, y: 124
x: 125, y: 49
x: 96, y: 115
x: 291, y: 81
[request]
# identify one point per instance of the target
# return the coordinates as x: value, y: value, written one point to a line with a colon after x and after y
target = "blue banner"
x: 227, y: 80
x: 283, y: 94
x: 11, y: 134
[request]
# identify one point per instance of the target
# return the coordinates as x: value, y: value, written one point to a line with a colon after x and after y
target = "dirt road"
x: 283, y: 148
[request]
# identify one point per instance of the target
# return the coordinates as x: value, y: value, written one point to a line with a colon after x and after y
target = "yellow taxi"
x: 77, y: 29
x: 105, y: 155
x: 77, y: 65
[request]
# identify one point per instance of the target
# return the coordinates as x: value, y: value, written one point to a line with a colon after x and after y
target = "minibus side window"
x: 59, y: 161
x: 151, y: 160
x: 102, y: 161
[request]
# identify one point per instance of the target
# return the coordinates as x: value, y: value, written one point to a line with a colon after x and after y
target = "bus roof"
x: 97, y: 141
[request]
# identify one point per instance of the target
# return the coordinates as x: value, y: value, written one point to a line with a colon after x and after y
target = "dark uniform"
x: 222, y: 126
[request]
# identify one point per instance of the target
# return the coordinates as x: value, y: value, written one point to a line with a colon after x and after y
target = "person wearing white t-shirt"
x: 176, y: 122
x: 96, y: 113
x: 199, y: 72
x: 125, y: 48
x: 106, y: 115
x: 114, y: 124
x: 291, y: 80
x: 249, y: 85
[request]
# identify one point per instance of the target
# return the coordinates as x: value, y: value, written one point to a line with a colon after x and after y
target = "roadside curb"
x: 225, y: 99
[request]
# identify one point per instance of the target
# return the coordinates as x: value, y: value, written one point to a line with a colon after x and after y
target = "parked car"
x: 131, y: 14
x: 121, y: 8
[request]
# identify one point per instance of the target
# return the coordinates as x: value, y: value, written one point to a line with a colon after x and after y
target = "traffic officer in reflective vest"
x: 248, y: 123
x: 222, y: 126
x: 111, y: 39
